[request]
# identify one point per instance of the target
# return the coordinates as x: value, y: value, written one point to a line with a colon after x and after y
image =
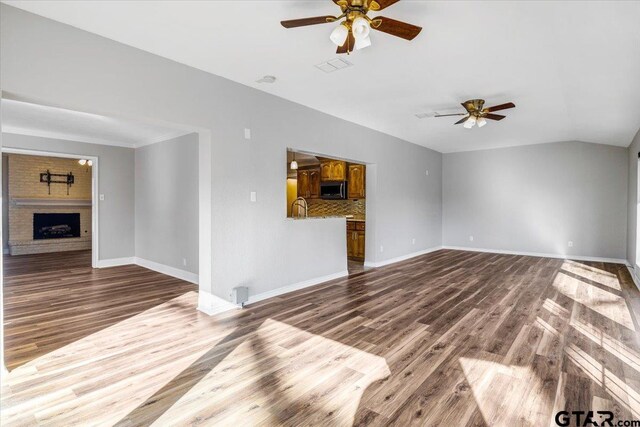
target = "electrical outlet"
x: 253, y: 196
x: 413, y: 241
x: 381, y: 248
x: 570, y: 244
x: 247, y: 133
x: 102, y: 197
x: 427, y: 172
x: 184, y: 262
x: 471, y: 238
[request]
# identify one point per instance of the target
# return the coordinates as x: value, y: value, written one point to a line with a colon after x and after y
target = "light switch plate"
x: 247, y: 133
x: 253, y: 196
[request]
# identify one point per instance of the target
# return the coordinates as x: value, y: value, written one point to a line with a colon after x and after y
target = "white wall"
x: 632, y: 215
x: 166, y: 202
x: 253, y: 243
x: 537, y: 198
x: 116, y: 181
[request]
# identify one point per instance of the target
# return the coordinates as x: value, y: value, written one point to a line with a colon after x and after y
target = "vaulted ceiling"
x: 572, y: 68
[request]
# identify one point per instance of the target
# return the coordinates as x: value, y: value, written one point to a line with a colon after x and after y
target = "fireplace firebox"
x: 56, y: 225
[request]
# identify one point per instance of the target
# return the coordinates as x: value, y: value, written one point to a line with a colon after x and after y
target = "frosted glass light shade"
x: 360, y: 28
x: 361, y: 43
x: 339, y: 35
x: 471, y: 121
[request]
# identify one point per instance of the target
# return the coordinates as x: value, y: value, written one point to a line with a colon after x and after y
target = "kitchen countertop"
x: 327, y: 217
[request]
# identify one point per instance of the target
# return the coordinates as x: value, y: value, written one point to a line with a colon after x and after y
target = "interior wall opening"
x: 325, y: 186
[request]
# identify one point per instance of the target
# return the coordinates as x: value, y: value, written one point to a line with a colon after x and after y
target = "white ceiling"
x: 572, y: 68
x: 39, y: 120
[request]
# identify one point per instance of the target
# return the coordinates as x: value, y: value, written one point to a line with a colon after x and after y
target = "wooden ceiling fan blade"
x: 377, y: 5
x: 462, y: 120
x: 499, y: 107
x: 395, y: 28
x: 292, y: 23
x: 447, y: 115
x: 494, y: 116
x: 348, y: 44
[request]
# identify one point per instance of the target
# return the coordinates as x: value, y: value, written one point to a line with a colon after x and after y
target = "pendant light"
x: 294, y: 164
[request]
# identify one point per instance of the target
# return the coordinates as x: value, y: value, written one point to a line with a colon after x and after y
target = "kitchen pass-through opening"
x: 320, y: 186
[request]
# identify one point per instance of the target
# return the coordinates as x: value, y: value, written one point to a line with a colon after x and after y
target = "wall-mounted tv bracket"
x: 48, y: 177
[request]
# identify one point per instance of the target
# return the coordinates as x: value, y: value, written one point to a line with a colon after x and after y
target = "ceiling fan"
x: 353, y: 32
x: 476, y: 114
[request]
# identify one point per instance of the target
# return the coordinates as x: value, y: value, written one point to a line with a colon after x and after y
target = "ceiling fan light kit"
x: 476, y: 113
x: 353, y: 32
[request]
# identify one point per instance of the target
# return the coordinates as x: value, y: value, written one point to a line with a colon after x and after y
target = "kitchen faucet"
x: 299, y: 203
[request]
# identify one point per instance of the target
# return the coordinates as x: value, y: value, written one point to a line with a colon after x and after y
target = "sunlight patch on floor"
x: 623, y: 393
x: 262, y: 382
x: 609, y: 343
x: 594, y: 274
x: 506, y: 395
x: 135, y: 357
x: 603, y: 302
x: 555, y: 308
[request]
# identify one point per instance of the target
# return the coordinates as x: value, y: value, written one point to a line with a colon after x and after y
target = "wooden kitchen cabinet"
x: 333, y: 170
x: 303, y: 183
x: 355, y: 240
x: 309, y: 183
x: 359, y: 249
x: 314, y: 183
x: 356, y: 181
x: 325, y: 171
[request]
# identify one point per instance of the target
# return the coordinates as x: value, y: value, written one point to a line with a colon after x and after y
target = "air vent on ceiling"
x: 333, y: 65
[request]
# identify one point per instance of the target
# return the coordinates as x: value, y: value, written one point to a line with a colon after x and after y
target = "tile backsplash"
x: 319, y: 207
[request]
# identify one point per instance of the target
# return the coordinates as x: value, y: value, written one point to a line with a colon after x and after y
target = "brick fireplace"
x: 43, y: 217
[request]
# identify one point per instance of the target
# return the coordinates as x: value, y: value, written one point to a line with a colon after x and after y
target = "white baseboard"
x: 295, y: 287
x: 211, y: 304
x: 115, y: 262
x: 402, y: 258
x: 538, y: 254
x: 165, y: 269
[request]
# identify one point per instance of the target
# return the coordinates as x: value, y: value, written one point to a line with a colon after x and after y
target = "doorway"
x: 50, y: 208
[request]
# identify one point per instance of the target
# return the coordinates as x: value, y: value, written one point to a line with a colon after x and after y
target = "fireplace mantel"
x: 51, y: 203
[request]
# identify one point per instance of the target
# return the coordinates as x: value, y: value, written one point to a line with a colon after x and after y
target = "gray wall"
x: 253, y: 243
x: 166, y: 202
x: 116, y: 181
x: 632, y: 216
x: 5, y: 203
x: 537, y: 198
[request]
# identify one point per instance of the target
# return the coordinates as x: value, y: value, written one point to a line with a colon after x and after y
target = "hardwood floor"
x: 449, y: 338
x: 52, y: 300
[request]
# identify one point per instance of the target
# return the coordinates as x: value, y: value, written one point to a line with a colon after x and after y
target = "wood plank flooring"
x: 449, y: 338
x: 52, y: 300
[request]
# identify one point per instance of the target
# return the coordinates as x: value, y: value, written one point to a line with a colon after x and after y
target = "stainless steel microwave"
x: 333, y: 190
